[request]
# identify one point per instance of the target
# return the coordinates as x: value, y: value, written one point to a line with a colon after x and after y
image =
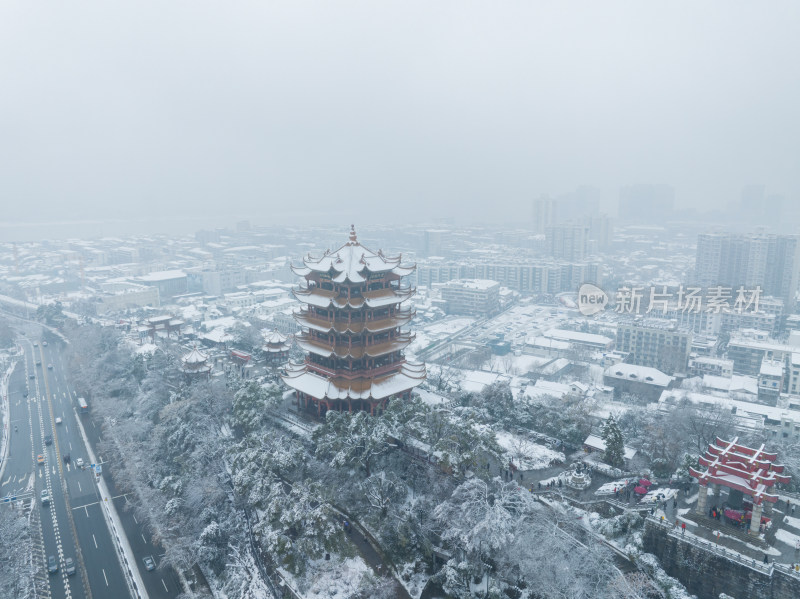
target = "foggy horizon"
x: 352, y: 111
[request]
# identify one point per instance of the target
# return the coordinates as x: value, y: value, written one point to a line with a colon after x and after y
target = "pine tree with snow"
x: 615, y: 446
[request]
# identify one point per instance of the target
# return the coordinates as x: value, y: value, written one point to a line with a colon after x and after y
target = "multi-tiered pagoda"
x: 352, y: 331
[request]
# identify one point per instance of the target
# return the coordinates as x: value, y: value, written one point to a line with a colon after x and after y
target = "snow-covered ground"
x: 656, y: 495
x: 791, y: 521
x: 525, y: 454
x: 595, y: 461
x: 5, y: 422
x: 333, y: 579
x: 146, y: 349
x: 416, y: 580
x: 430, y: 397
x: 609, y: 488
x: 517, y: 365
x: 436, y: 331
x: 787, y: 537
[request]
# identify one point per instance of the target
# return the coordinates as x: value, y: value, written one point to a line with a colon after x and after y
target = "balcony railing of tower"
x: 356, y: 374
x: 356, y: 314
x: 354, y: 352
x: 354, y: 364
x: 345, y: 291
x: 324, y: 282
x: 366, y: 341
x: 397, y: 318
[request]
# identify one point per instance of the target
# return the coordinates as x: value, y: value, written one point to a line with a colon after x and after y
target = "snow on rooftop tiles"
x: 163, y: 275
x: 642, y: 374
x: 771, y: 368
x: 351, y: 262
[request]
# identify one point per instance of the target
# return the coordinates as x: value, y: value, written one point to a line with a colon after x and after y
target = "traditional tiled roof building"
x: 276, y: 348
x: 195, y: 364
x: 352, y: 331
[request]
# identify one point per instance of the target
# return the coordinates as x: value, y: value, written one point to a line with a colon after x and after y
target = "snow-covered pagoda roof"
x: 195, y: 362
x: 310, y: 383
x: 275, y: 338
x: 275, y: 342
x: 352, y: 262
x: 195, y: 357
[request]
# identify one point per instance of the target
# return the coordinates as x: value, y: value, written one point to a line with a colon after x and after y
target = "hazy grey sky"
x: 361, y: 109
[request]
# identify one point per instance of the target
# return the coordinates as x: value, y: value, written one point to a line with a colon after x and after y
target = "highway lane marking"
x: 95, y: 541
x: 85, y: 510
x: 134, y: 517
x: 143, y: 539
x: 79, y: 488
x: 96, y: 502
x: 70, y: 445
x: 165, y: 585
x: 104, y: 575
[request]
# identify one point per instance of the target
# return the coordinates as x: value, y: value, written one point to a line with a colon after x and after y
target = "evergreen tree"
x: 615, y: 446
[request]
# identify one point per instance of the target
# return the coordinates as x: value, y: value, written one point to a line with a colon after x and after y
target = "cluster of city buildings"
x: 499, y: 304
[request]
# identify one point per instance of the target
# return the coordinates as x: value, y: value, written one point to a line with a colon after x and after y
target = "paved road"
x: 36, y: 400
x: 161, y: 583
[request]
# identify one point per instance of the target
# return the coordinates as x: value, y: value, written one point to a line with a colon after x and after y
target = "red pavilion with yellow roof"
x: 352, y: 331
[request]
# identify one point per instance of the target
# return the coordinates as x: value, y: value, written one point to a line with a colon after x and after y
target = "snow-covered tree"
x: 552, y: 562
x: 381, y: 489
x: 16, y: 559
x: 615, y: 445
x: 481, y: 518
x: 298, y: 525
x: 703, y: 424
x: 251, y: 402
x: 352, y: 439
x: 459, y: 441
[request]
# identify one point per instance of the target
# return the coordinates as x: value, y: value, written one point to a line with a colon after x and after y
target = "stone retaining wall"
x: 707, y: 571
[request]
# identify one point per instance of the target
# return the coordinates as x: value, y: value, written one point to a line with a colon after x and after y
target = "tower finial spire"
x: 353, y: 238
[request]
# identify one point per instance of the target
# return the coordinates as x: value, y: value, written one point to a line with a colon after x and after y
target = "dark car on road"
x: 69, y: 566
x: 52, y: 564
x: 48, y: 440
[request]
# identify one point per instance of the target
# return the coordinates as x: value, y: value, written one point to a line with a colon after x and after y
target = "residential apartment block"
x: 655, y: 343
x: 474, y: 297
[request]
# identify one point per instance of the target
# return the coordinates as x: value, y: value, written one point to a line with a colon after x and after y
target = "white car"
x: 79, y: 462
x: 58, y: 420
